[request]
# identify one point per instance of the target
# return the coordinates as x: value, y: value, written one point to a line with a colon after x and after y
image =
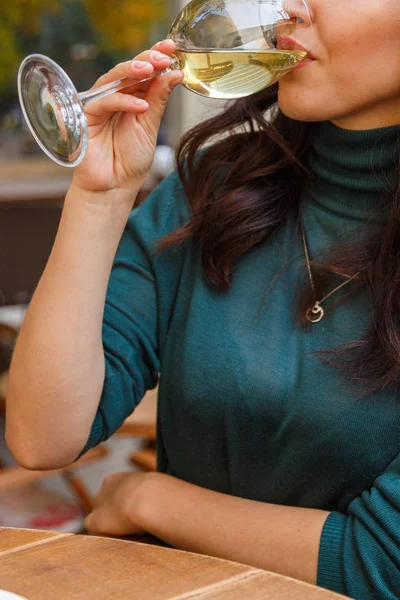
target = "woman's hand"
x: 123, y: 126
x: 116, y: 508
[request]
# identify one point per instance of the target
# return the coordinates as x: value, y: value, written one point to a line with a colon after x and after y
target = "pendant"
x: 315, y: 314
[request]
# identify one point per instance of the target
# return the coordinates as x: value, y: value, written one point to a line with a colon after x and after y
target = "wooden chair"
x: 16, y: 476
x: 142, y: 424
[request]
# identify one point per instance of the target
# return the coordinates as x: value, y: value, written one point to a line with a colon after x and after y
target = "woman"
x: 278, y: 437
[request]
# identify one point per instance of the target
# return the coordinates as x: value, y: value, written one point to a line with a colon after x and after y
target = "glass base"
x: 53, y: 110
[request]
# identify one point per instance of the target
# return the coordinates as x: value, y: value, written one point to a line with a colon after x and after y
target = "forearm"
x: 276, y: 538
x: 57, y: 370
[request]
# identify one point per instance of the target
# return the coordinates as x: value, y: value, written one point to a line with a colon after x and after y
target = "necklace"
x: 316, y: 313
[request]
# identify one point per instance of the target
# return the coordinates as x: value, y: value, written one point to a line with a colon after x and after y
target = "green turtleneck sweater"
x: 245, y: 407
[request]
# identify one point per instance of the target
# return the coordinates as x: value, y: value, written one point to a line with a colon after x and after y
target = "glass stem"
x: 116, y: 86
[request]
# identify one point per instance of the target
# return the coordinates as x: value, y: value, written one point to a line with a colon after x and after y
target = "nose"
x: 299, y: 9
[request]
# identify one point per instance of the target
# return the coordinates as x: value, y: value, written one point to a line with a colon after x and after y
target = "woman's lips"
x: 286, y: 42
x: 303, y: 63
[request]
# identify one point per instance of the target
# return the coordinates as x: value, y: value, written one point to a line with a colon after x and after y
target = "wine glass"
x: 225, y: 48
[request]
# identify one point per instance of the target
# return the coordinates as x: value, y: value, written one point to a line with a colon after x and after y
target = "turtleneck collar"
x: 353, y: 169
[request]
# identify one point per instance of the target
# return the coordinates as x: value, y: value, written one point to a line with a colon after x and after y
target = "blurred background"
x: 87, y: 38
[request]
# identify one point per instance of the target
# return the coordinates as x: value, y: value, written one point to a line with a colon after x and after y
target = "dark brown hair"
x: 242, y: 189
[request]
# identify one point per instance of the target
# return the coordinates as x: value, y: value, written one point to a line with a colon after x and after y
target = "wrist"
x: 104, y: 213
x: 115, y: 199
x: 89, y: 230
x: 145, y: 506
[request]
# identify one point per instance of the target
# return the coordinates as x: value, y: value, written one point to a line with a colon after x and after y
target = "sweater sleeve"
x: 131, y: 339
x: 360, y: 551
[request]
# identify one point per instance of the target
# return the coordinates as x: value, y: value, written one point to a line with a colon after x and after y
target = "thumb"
x: 157, y: 97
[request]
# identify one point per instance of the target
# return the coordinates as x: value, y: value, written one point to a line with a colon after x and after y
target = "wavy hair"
x: 242, y: 189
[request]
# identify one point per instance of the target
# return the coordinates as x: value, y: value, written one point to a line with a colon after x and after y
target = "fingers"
x: 117, y: 102
x: 156, y: 59
x: 91, y: 524
x: 166, y: 47
x: 157, y: 97
x: 134, y: 69
x: 147, y: 99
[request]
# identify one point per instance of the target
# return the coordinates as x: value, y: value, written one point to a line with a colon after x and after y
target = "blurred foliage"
x: 52, y: 26
x: 9, y: 55
x: 25, y: 14
x: 129, y: 23
x: 18, y: 18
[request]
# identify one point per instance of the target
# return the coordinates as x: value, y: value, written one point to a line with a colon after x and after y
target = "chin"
x: 299, y: 102
x: 301, y: 111
x: 297, y: 114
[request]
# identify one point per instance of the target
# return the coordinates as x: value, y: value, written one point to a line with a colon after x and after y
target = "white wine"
x: 234, y: 73
x: 226, y: 49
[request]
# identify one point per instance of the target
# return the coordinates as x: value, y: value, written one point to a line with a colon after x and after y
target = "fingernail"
x: 139, y: 64
x: 158, y: 55
x: 139, y: 101
x: 176, y: 81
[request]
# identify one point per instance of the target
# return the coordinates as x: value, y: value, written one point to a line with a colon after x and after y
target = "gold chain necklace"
x: 316, y: 313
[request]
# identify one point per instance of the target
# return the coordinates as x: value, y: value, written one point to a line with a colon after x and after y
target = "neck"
x: 370, y: 119
x: 354, y: 171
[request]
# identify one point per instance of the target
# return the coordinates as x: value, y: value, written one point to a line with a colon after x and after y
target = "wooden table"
x: 51, y: 566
